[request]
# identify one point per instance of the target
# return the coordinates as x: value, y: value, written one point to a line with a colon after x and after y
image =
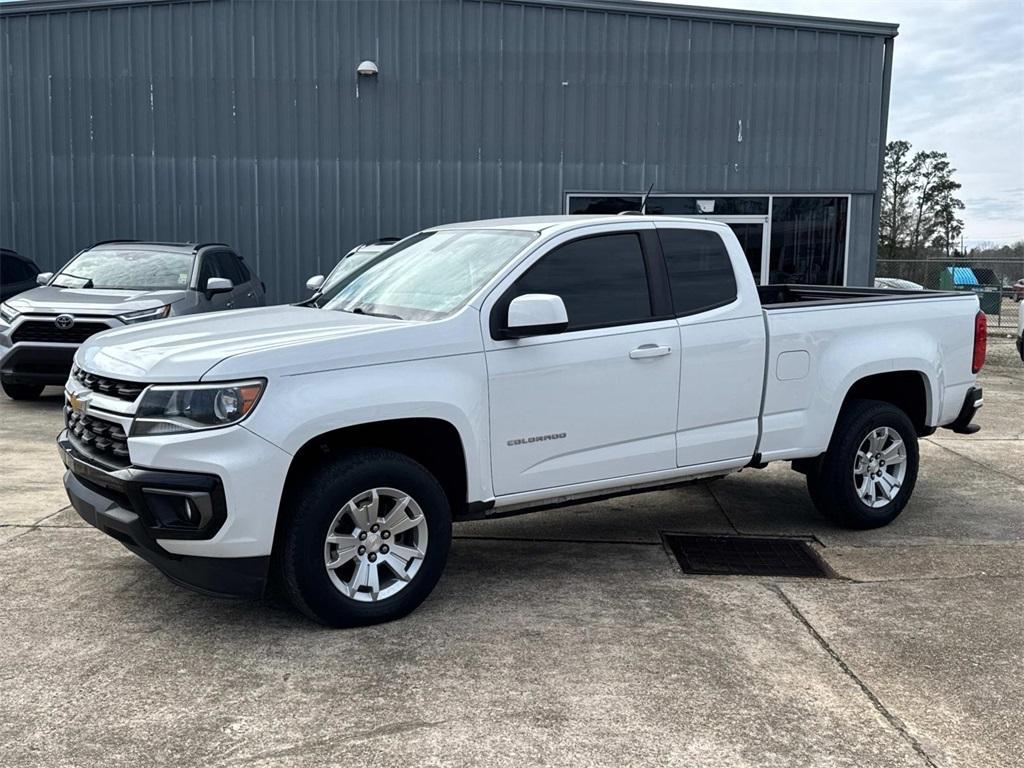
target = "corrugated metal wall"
x: 243, y: 121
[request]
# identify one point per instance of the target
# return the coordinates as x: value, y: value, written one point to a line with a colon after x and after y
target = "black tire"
x: 309, y: 516
x: 832, y: 486
x: 21, y: 391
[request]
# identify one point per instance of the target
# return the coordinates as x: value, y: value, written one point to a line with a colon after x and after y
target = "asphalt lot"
x: 564, y: 637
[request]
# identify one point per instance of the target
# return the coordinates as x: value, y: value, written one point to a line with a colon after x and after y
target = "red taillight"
x: 980, y: 341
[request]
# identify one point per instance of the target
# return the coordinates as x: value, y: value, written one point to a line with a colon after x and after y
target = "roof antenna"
x: 643, y: 205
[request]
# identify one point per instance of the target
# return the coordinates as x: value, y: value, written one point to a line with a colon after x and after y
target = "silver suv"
x: 109, y: 285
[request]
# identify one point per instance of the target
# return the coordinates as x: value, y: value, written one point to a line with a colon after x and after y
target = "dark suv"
x: 17, y: 273
x: 109, y: 285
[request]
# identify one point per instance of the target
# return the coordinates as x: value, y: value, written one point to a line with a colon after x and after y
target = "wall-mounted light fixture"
x: 367, y: 69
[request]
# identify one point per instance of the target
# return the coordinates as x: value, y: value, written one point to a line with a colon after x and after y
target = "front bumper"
x: 124, y: 503
x: 37, y: 364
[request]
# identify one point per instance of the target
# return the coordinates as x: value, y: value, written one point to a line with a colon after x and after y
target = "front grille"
x: 97, y: 438
x: 124, y: 390
x: 46, y: 331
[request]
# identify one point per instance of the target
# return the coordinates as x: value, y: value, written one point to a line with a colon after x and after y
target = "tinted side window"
x: 244, y: 275
x: 602, y: 280
x: 14, y: 270
x: 699, y: 270
x: 211, y: 267
x: 229, y: 268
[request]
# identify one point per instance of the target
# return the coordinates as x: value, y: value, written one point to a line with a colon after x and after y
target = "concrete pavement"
x: 563, y: 637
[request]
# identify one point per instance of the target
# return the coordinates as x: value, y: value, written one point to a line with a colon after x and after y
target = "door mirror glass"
x: 218, y: 285
x: 535, y: 314
x: 43, y: 278
x: 314, y: 282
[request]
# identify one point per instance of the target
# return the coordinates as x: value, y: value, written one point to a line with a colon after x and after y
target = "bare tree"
x: 933, y: 185
x: 897, y: 184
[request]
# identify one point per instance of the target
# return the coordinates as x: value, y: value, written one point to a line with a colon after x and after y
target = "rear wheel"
x: 365, y: 540
x: 868, y: 473
x: 21, y: 391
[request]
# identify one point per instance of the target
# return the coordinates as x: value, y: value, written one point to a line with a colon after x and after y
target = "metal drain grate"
x: 745, y: 556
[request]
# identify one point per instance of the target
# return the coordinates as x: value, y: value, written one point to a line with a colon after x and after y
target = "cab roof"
x: 565, y: 221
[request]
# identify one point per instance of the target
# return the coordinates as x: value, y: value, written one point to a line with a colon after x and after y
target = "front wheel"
x: 21, y: 391
x: 365, y: 540
x: 868, y: 473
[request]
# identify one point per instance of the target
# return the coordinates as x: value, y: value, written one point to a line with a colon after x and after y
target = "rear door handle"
x: 650, y: 350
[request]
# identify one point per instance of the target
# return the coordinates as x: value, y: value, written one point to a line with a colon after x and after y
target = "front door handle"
x: 649, y: 350
x: 230, y: 304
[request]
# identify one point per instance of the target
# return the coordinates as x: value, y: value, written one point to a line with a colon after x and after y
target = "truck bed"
x: 781, y: 295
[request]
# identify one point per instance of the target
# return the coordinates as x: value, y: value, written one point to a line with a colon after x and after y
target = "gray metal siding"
x: 244, y: 122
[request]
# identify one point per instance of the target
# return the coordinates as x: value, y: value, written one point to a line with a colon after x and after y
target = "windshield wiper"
x: 86, y: 284
x: 365, y: 311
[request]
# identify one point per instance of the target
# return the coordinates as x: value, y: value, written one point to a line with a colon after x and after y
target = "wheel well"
x: 906, y: 390
x: 432, y: 442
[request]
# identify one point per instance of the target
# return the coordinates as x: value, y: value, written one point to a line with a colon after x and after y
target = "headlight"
x: 168, y: 410
x: 146, y: 314
x: 8, y: 313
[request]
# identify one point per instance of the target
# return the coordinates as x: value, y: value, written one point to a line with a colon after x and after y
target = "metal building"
x: 245, y: 121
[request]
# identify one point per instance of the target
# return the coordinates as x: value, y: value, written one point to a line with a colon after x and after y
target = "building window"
x: 674, y: 205
x: 606, y: 204
x: 808, y: 240
x: 805, y: 237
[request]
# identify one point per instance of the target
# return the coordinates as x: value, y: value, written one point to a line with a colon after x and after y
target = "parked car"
x: 17, y: 273
x: 347, y: 267
x: 110, y: 285
x: 898, y: 283
x: 494, y: 367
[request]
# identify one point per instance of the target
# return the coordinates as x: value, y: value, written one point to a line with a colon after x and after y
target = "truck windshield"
x: 430, y: 275
x: 126, y: 269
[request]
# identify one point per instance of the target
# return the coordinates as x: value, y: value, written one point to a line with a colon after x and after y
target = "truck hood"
x: 264, y: 342
x: 52, y: 300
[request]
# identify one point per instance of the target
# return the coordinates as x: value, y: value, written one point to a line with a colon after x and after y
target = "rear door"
x: 597, y: 401
x: 722, y: 344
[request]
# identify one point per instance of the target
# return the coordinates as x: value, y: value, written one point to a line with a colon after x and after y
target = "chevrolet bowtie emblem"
x: 78, y: 403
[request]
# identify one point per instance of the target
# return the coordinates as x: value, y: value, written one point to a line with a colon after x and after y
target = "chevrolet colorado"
x: 493, y: 367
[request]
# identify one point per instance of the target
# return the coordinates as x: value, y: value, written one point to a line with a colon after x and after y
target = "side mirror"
x: 535, y: 314
x: 314, y: 282
x: 218, y: 285
x: 43, y: 278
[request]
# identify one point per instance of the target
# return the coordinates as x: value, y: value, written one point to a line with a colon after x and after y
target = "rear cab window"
x: 700, y: 271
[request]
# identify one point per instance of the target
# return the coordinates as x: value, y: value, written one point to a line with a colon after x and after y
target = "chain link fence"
x: 999, y: 285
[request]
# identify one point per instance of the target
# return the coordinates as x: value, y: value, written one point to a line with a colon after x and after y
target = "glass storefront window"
x: 808, y: 240
x: 606, y: 204
x: 708, y: 206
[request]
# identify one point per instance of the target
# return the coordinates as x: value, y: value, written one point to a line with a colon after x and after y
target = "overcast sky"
x: 957, y: 87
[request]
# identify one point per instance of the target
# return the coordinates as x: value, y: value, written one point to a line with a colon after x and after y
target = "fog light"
x: 178, y: 510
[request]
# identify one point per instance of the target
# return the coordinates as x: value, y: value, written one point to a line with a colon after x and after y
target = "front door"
x: 599, y: 400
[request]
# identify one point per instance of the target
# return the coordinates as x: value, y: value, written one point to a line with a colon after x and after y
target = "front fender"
x: 453, y: 389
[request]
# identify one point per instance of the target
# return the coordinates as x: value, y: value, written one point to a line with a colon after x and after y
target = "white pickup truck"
x: 485, y: 368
